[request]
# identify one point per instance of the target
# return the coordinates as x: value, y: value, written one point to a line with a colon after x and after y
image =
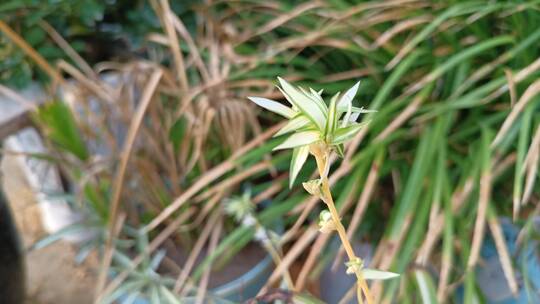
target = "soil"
x: 53, y: 277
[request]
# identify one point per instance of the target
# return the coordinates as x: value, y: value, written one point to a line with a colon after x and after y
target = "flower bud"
x: 354, y: 266
x: 313, y: 187
x: 326, y: 222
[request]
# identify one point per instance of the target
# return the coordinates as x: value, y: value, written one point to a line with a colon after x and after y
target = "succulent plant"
x: 319, y: 129
x: 311, y: 121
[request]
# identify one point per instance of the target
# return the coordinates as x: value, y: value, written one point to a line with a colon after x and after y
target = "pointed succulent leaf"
x: 361, y: 110
x: 347, y: 98
x: 342, y: 135
x: 305, y: 104
x: 299, y: 157
x: 316, y: 95
x: 374, y: 274
x: 273, y: 106
x: 347, y: 116
x: 354, y: 114
x: 316, y: 98
x: 332, y: 119
x: 353, y: 117
x: 294, y: 124
x: 299, y: 139
x: 287, y: 97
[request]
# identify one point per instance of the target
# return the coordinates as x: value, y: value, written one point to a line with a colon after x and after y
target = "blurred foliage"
x: 97, y: 29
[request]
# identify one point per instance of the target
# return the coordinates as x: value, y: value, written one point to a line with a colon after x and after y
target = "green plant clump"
x: 320, y: 129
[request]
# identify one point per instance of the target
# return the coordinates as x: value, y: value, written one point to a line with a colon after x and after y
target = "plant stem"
x: 322, y: 164
x: 275, y: 252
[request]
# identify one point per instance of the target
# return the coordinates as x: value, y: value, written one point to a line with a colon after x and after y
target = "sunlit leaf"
x: 316, y: 98
x: 374, y: 274
x: 343, y: 134
x: 294, y: 124
x: 353, y: 117
x: 361, y: 110
x: 331, y: 120
x: 273, y: 106
x: 299, y: 157
x: 299, y: 139
x: 347, y: 98
x: 304, y: 103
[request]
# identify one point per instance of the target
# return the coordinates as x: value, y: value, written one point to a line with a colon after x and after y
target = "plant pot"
x: 243, y: 287
x: 236, y: 290
x: 247, y: 285
x: 12, y: 275
x: 489, y: 274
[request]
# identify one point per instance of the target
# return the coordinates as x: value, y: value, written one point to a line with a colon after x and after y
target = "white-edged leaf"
x: 332, y: 119
x: 316, y: 95
x: 374, y: 274
x: 287, y: 97
x: 353, y: 117
x: 345, y: 121
x: 299, y: 157
x: 314, y: 92
x: 316, y: 98
x: 361, y: 110
x: 355, y: 113
x: 294, y: 124
x: 304, y: 103
x: 341, y: 135
x: 347, y: 98
x: 299, y: 139
x: 273, y: 106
